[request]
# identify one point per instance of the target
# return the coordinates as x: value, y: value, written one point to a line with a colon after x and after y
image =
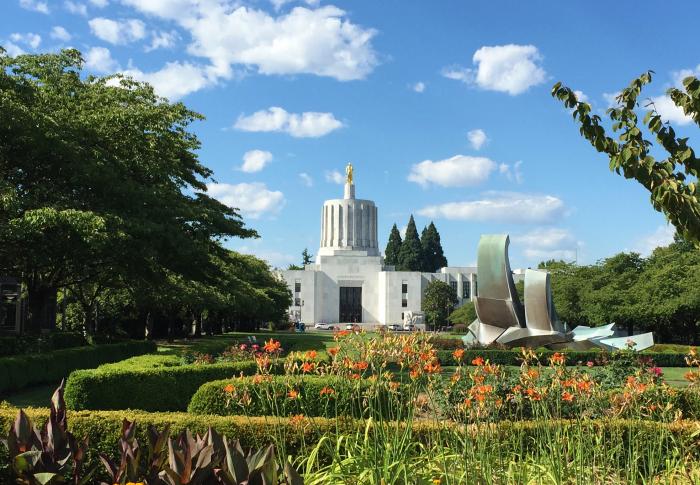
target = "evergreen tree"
x: 411, y: 253
x: 391, y: 254
x: 433, y: 255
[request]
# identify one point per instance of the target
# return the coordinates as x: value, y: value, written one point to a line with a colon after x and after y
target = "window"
x: 404, y: 288
x: 404, y: 303
x: 466, y: 287
x: 297, y: 287
x: 453, y: 284
x: 476, y: 287
x: 297, y: 301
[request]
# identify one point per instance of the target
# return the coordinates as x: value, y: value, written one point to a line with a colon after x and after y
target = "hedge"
x: 148, y: 389
x: 26, y: 370
x: 347, y: 398
x: 16, y: 344
x: 103, y: 430
x: 513, y: 357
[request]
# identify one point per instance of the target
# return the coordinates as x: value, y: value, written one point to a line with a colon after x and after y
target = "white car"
x: 409, y: 327
x: 394, y: 327
x: 323, y: 326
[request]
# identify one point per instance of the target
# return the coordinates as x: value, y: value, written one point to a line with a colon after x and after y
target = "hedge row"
x: 26, y: 370
x: 103, y: 430
x: 148, y: 389
x: 16, y: 345
x: 327, y: 396
x: 573, y: 357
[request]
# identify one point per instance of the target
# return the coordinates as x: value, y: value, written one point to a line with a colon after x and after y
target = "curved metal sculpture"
x: 502, y: 319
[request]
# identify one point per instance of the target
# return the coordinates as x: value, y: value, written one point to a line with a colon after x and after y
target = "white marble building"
x: 349, y: 282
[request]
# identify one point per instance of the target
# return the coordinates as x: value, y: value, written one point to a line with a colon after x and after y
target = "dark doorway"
x: 350, y: 304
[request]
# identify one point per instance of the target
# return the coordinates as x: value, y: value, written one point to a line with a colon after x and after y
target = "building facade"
x: 349, y: 282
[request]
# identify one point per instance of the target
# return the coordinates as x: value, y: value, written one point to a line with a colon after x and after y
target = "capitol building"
x: 349, y: 282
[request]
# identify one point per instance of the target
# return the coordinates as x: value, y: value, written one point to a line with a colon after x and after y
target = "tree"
x: 464, y: 315
x: 393, y: 247
x: 671, y: 182
x: 438, y: 302
x: 410, y: 255
x: 433, y: 255
x: 306, y: 258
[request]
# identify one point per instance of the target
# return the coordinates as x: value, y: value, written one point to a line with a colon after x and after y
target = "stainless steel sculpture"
x: 502, y: 319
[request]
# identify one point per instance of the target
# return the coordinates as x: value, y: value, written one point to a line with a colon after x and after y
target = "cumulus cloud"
x: 662, y: 236
x: 335, y: 177
x: 253, y: 200
x: 35, y: 6
x: 13, y: 50
x: 29, y: 39
x: 581, y: 96
x: 319, y: 41
x: 162, y: 40
x: 60, y: 33
x: 458, y: 171
x: 99, y: 3
x: 99, y: 59
x: 668, y: 111
x: 306, y: 179
x: 678, y: 76
x: 174, y: 80
x: 255, y: 160
x: 477, y: 138
x: 275, y: 119
x: 419, y: 87
x: 511, y: 69
x: 510, y: 207
x: 611, y: 99
x: 118, y: 31
x: 75, y: 7
x: 278, y: 4
x: 512, y: 173
x: 548, y: 243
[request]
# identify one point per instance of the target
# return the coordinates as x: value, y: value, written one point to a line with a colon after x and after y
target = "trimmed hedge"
x: 346, y: 400
x: 103, y: 429
x: 26, y: 370
x: 17, y: 345
x: 513, y: 357
x: 149, y: 389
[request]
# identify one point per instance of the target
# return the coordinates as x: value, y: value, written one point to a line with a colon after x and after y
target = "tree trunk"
x: 41, y: 309
x: 196, y: 325
x: 149, y: 326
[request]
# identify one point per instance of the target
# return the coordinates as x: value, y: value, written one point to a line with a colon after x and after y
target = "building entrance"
x: 350, y: 304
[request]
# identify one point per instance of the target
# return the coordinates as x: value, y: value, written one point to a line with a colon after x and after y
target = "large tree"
x: 439, y: 300
x: 431, y: 247
x: 411, y: 252
x: 672, y: 181
x: 393, y: 247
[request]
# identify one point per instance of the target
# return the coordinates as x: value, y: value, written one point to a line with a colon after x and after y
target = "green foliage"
x: 438, y: 303
x: 306, y: 257
x: 431, y: 249
x: 410, y: 257
x: 25, y: 370
x: 393, y: 247
x: 15, y: 345
x: 671, y: 182
x: 464, y: 315
x: 271, y: 397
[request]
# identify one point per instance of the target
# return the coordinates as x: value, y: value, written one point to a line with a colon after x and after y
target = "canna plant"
x: 259, y: 468
x: 50, y: 456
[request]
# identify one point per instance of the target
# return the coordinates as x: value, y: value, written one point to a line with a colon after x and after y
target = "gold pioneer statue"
x: 348, y: 173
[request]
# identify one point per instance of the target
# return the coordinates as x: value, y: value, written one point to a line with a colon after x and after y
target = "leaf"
x: 292, y: 475
x: 45, y: 478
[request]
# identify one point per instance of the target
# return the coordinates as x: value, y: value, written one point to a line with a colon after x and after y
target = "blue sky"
x: 442, y: 107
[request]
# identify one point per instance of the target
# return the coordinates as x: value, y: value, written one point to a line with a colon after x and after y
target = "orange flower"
x: 272, y: 346
x: 263, y: 361
x: 333, y: 350
x: 415, y: 373
x: 354, y: 376
x: 296, y: 420
x: 432, y: 367
x: 293, y: 394
x: 311, y: 354
x: 394, y: 385
x: 692, y: 376
x: 569, y: 383
x: 517, y: 389
x: 307, y: 367
x: 455, y: 377
x: 533, y: 394
x: 407, y: 350
x: 468, y: 402
x: 458, y: 354
x: 533, y: 374
x: 567, y: 396
x: 327, y: 391
x: 362, y: 365
x: 584, y: 386
x: 258, y: 379
x: 558, y: 358
x: 479, y: 361
x: 229, y: 389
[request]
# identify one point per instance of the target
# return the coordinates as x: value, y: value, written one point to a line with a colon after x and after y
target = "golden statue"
x: 348, y: 173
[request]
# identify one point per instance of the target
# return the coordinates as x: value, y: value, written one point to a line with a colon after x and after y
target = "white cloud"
x: 678, y: 76
x: 118, y: 31
x: 99, y: 59
x: 174, y: 80
x: 548, y: 243
x: 75, y: 7
x: 511, y: 69
x: 458, y: 171
x: 581, y: 96
x: 610, y: 99
x: 306, y: 179
x: 29, y: 39
x: 335, y: 177
x: 402, y: 231
x: 512, y: 173
x: 318, y: 41
x: 13, y: 50
x: 255, y: 160
x: 34, y: 5
x: 477, y: 138
x: 668, y: 111
x: 162, y: 40
x: 508, y: 207
x: 278, y: 4
x: 253, y: 200
x: 275, y: 119
x: 99, y: 3
x: 419, y: 87
x: 662, y: 236
x: 59, y: 33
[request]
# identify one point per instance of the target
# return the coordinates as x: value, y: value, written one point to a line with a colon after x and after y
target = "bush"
x: 327, y: 396
x: 17, y: 345
x: 50, y: 367
x: 460, y: 328
x: 442, y: 343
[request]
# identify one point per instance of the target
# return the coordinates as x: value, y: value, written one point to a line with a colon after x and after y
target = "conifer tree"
x: 391, y: 254
x: 411, y: 253
x: 433, y: 255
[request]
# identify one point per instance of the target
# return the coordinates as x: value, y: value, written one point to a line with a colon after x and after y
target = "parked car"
x: 394, y: 327
x: 409, y: 327
x: 323, y: 326
x: 350, y: 326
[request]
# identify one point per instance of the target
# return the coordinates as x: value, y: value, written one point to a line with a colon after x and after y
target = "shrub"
x: 17, y: 345
x: 327, y: 396
x: 25, y: 370
x: 442, y: 343
x: 460, y: 328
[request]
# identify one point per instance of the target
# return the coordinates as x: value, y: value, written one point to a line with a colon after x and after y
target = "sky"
x: 443, y: 108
